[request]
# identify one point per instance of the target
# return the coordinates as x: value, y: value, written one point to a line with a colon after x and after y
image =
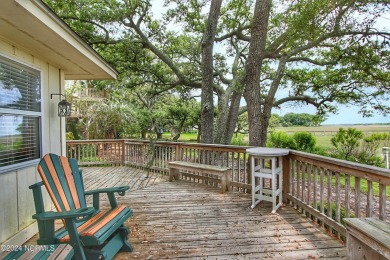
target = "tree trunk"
x: 207, y: 105
x: 221, y: 121
x: 232, y: 117
x: 227, y: 117
x: 269, y: 100
x: 251, y: 79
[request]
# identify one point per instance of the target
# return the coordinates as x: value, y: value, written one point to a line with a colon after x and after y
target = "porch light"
x: 64, y: 107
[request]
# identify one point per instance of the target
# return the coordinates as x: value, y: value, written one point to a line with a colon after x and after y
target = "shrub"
x: 346, y: 142
x: 279, y: 139
x: 304, y: 141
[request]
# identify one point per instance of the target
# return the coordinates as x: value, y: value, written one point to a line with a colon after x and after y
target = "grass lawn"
x: 324, y: 141
x: 184, y: 137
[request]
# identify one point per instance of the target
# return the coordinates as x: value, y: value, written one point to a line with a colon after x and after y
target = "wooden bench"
x: 50, y: 252
x: 367, y: 238
x: 176, y: 167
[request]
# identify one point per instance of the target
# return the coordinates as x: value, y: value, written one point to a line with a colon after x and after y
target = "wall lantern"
x: 64, y: 107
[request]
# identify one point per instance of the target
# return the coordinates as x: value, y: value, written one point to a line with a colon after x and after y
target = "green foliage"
x: 74, y: 131
x: 372, y: 143
x: 301, y: 141
x: 279, y: 139
x: 239, y: 140
x: 274, y: 121
x: 334, y: 50
x: 180, y: 114
x: 346, y: 142
x: 242, y: 124
x: 302, y: 119
x: 304, y: 141
x: 370, y: 148
x: 69, y: 136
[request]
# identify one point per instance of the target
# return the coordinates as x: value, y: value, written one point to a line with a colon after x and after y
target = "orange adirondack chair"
x: 93, y: 233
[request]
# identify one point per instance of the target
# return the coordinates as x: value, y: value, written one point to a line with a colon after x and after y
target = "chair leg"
x: 75, y: 240
x: 126, y: 247
x: 124, y: 231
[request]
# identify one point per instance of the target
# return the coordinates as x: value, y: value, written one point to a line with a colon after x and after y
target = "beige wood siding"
x: 16, y: 199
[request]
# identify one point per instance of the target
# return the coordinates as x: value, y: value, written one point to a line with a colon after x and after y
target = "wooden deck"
x: 182, y: 219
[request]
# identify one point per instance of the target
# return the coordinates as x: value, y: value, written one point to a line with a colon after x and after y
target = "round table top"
x: 264, y: 151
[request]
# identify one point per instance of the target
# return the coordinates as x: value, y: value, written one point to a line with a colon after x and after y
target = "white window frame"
x: 39, y: 115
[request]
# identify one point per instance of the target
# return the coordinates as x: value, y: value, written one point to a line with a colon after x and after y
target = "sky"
x: 347, y: 115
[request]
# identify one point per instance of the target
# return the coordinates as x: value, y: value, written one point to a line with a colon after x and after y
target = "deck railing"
x: 324, y: 189
x: 328, y: 190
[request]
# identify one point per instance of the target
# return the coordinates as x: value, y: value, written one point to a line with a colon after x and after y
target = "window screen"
x: 20, y: 113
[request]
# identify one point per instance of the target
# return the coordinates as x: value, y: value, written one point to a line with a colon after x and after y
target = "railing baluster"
x: 338, y: 200
x: 329, y: 175
x: 369, y: 199
x: 303, y: 180
x: 382, y: 201
x: 338, y: 197
x: 292, y: 180
x: 315, y: 200
x: 239, y: 179
x: 347, y: 195
x: 298, y: 165
x: 322, y: 191
x: 357, y: 197
x: 309, y: 168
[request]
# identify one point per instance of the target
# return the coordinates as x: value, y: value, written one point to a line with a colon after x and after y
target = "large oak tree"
x: 314, y: 52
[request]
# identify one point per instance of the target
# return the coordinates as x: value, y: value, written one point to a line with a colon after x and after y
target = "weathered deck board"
x: 101, y: 177
x: 183, y: 219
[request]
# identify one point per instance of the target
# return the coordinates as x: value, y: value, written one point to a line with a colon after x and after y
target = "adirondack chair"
x: 93, y: 233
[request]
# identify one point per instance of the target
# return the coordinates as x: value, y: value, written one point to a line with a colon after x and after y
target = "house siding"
x: 16, y: 200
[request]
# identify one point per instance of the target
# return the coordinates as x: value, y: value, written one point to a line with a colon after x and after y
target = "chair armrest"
x: 52, y: 215
x: 121, y: 190
x: 38, y: 184
x: 110, y: 193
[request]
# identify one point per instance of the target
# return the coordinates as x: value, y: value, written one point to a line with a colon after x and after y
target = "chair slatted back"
x: 63, y: 182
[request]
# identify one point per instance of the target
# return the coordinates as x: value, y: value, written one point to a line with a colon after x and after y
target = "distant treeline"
x: 293, y: 119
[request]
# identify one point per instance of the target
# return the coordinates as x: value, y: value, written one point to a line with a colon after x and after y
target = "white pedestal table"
x: 266, y: 163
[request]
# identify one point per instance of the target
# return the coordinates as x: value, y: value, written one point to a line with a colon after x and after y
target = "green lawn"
x: 184, y: 137
x: 324, y: 141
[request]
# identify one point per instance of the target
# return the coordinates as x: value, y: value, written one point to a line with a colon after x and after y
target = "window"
x: 20, y: 114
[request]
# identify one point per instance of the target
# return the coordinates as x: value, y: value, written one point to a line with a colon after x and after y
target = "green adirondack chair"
x: 93, y: 233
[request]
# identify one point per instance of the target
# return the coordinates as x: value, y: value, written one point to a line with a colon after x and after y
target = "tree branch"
x: 106, y: 32
x: 149, y: 45
x: 237, y: 32
x: 331, y: 35
x: 307, y: 99
x: 316, y: 62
